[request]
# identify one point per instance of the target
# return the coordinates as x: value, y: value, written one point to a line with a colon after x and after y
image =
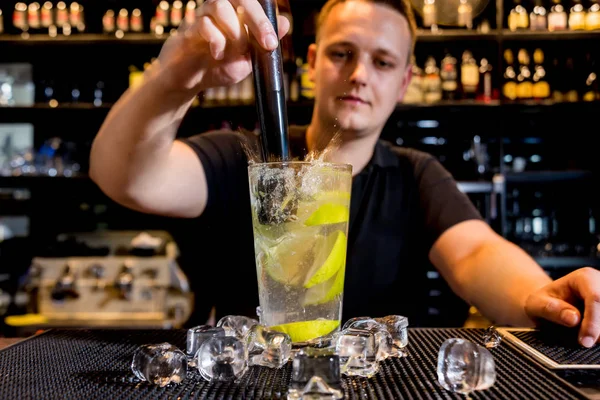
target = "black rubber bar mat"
x: 95, y: 364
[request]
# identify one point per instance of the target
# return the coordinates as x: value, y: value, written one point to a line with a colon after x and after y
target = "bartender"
x: 406, y: 209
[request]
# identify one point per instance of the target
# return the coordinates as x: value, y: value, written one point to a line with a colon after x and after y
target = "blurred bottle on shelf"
x: 449, y: 77
x: 465, y: 14
x: 590, y: 90
x: 577, y: 16
x: 557, y: 17
x: 430, y: 15
x: 469, y: 75
x: 592, y: 18
x: 518, y: 18
x: 524, y: 78
x: 414, y: 91
x: 541, y: 87
x: 486, y: 90
x: 432, y: 88
x: 509, y: 87
x: 538, y: 17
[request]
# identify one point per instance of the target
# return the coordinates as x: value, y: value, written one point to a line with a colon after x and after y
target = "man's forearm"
x: 137, y: 134
x: 497, y: 278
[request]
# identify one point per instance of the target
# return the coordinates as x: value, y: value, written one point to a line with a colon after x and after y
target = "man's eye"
x: 383, y: 64
x: 340, y: 55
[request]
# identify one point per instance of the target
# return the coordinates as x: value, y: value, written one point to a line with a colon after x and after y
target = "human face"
x: 359, y: 66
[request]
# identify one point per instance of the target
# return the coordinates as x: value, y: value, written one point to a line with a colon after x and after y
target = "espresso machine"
x: 124, y: 279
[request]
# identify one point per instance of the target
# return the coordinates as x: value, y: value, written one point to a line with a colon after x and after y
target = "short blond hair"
x: 402, y: 6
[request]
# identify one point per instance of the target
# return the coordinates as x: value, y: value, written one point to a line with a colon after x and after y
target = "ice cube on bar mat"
x: 198, y: 335
x: 357, y: 349
x: 222, y: 358
x: 267, y: 347
x: 159, y: 364
x: 315, y: 374
x: 464, y: 366
x: 380, y: 341
x: 237, y: 325
x: 397, y: 326
x: 491, y: 337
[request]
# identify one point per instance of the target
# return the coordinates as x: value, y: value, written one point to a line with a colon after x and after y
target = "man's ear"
x: 405, y: 82
x: 312, y: 59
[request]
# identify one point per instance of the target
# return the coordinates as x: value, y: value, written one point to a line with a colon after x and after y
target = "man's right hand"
x: 214, y: 51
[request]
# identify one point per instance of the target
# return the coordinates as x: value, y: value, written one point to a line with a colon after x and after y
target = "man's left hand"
x: 556, y: 302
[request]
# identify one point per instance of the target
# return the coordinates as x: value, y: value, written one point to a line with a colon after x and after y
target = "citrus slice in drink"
x: 305, y: 330
x: 325, y: 292
x: 329, y: 257
x: 329, y: 213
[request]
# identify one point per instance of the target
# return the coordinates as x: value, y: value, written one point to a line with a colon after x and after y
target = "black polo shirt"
x: 402, y: 201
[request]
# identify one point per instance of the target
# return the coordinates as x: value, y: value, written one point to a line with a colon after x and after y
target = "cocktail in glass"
x: 300, y: 213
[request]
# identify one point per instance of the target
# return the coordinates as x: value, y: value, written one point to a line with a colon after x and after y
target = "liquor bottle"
x: 76, y: 18
x: 189, y: 15
x: 469, y: 75
x: 577, y: 16
x: 448, y: 76
x: 432, y: 81
x: 47, y: 16
x: 524, y: 79
x: 538, y: 17
x: 592, y: 17
x: 509, y: 88
x: 176, y: 14
x: 487, y: 89
x: 414, y: 92
x: 465, y: 14
x: 136, y: 23
x: 33, y: 18
x: 590, y: 87
x: 109, y: 22
x: 430, y: 14
x: 557, y: 17
x: 541, y: 87
x: 518, y: 17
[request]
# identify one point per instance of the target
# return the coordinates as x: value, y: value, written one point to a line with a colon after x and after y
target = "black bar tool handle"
x: 269, y: 91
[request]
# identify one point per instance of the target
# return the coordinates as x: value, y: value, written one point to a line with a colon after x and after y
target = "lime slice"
x: 326, y: 291
x: 306, y: 330
x: 288, y: 261
x: 334, y: 249
x: 328, y: 214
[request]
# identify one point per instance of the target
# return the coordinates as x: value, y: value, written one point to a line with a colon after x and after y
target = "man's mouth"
x: 353, y: 99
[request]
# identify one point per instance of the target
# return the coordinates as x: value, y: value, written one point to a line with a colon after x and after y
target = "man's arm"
x: 509, y: 287
x: 487, y: 271
x: 134, y: 158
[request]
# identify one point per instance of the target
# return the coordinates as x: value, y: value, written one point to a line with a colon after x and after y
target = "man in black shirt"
x: 406, y: 209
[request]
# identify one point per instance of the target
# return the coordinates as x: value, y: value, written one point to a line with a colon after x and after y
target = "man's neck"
x: 349, y: 148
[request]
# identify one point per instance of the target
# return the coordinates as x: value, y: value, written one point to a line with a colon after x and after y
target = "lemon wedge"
x: 306, y: 330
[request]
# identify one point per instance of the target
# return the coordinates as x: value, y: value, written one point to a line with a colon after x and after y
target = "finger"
x: 587, y: 284
x: 283, y: 25
x: 209, y: 32
x: 225, y: 17
x: 552, y: 309
x: 258, y: 23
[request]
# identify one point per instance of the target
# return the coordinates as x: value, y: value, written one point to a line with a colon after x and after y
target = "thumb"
x: 552, y: 309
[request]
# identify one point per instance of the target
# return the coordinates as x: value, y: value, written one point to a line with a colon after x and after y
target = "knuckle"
x: 594, y: 326
x: 548, y: 307
x: 587, y: 272
x: 265, y: 27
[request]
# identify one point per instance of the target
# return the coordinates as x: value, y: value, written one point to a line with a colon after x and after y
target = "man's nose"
x: 359, y: 73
